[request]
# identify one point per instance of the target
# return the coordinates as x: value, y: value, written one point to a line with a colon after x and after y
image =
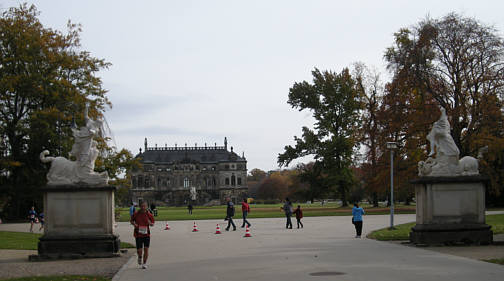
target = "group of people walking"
x: 143, y: 219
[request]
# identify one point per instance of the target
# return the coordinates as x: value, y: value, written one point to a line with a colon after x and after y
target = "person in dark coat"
x: 299, y: 216
x: 230, y: 212
x: 287, y: 208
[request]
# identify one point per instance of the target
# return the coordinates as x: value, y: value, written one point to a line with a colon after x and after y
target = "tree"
x: 457, y: 63
x: 334, y: 102
x: 371, y: 90
x: 275, y: 186
x: 45, y: 82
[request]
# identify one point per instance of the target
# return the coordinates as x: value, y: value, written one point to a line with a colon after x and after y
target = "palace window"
x: 227, y: 181
x: 239, y: 181
x: 233, y: 180
x: 187, y: 182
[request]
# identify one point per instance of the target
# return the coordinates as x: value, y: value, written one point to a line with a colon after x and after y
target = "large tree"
x: 45, y: 82
x: 455, y: 62
x: 334, y: 102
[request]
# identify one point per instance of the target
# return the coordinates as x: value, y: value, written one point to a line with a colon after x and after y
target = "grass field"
x: 264, y: 211
x: 401, y: 232
x: 60, y: 278
x: 28, y: 241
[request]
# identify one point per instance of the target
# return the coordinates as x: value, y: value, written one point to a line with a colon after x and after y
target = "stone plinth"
x: 79, y: 222
x: 450, y: 210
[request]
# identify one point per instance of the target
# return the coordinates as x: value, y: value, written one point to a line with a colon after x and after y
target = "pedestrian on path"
x: 245, y: 211
x: 357, y: 213
x: 132, y: 209
x: 287, y: 208
x: 41, y: 220
x: 32, y: 216
x: 230, y: 212
x: 299, y: 216
x: 190, y: 208
x: 142, y: 220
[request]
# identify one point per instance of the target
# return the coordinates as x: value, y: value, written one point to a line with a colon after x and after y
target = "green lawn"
x: 263, y: 211
x: 497, y: 261
x: 60, y: 278
x: 401, y: 232
x: 29, y: 241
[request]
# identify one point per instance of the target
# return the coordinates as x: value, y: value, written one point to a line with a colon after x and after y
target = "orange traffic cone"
x: 195, y: 228
x: 167, y: 227
x: 247, y: 232
x: 217, y: 230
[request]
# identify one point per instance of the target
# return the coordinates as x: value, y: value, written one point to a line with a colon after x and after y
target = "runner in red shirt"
x: 142, y: 220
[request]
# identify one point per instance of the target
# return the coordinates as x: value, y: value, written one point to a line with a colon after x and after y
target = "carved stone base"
x: 79, y: 223
x: 451, y: 234
x: 97, y: 246
x: 450, y: 210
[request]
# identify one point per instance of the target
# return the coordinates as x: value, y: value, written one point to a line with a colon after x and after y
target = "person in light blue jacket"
x: 357, y: 213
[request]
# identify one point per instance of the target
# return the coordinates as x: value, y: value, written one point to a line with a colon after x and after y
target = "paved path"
x: 325, y: 246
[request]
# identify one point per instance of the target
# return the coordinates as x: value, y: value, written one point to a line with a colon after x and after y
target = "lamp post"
x: 392, y: 146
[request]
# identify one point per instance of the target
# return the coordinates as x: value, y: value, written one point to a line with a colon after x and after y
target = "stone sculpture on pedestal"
x: 78, y: 202
x: 450, y: 193
x: 81, y: 171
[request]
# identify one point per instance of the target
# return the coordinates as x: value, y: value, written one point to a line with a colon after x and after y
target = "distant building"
x: 170, y: 173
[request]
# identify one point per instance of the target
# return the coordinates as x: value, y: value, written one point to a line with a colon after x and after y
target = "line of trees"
x: 455, y: 62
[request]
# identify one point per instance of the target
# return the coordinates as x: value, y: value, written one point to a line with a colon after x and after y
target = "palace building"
x: 175, y: 176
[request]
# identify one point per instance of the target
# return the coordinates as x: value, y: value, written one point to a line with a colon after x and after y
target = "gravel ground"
x: 14, y: 263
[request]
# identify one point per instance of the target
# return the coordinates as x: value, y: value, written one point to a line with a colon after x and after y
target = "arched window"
x: 147, y: 182
x: 159, y: 182
x: 227, y: 181
x: 214, y: 182
x: 134, y: 181
x: 187, y: 182
x: 233, y: 180
x: 239, y: 181
x: 140, y: 181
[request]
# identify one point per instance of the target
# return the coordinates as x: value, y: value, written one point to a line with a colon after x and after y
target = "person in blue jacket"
x: 357, y: 213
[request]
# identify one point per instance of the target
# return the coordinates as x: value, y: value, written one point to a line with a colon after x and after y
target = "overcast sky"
x: 198, y: 71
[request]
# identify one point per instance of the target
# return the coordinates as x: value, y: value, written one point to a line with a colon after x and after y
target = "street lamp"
x: 392, y: 146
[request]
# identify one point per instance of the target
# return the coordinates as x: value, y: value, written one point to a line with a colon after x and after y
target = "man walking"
x: 287, y: 208
x: 245, y: 211
x: 142, y: 220
x: 230, y: 212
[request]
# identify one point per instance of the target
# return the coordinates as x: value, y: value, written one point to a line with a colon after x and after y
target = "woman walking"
x: 357, y: 213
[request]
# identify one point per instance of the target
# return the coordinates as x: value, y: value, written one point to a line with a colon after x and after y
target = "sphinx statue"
x: 443, y: 158
x: 81, y: 171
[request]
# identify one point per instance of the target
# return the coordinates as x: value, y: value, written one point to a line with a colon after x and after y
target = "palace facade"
x: 175, y: 176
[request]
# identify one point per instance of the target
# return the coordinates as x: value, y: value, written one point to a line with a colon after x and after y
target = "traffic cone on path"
x: 247, y: 232
x: 167, y: 227
x: 195, y: 228
x: 217, y: 230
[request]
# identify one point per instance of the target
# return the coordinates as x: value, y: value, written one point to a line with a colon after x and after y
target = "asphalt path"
x: 325, y: 249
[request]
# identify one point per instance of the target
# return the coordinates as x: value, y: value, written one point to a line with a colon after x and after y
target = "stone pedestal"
x: 79, y: 223
x: 450, y: 210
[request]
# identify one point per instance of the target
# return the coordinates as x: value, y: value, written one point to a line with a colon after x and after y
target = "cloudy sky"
x: 198, y: 71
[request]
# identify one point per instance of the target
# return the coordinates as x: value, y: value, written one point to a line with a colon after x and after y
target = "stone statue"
x: 440, y: 138
x: 81, y: 171
x: 194, y: 194
x: 444, y: 154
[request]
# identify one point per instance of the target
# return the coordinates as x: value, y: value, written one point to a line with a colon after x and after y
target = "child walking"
x: 299, y: 216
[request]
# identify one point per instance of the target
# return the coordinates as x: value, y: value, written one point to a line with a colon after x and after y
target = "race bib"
x: 142, y: 229
x: 32, y: 216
